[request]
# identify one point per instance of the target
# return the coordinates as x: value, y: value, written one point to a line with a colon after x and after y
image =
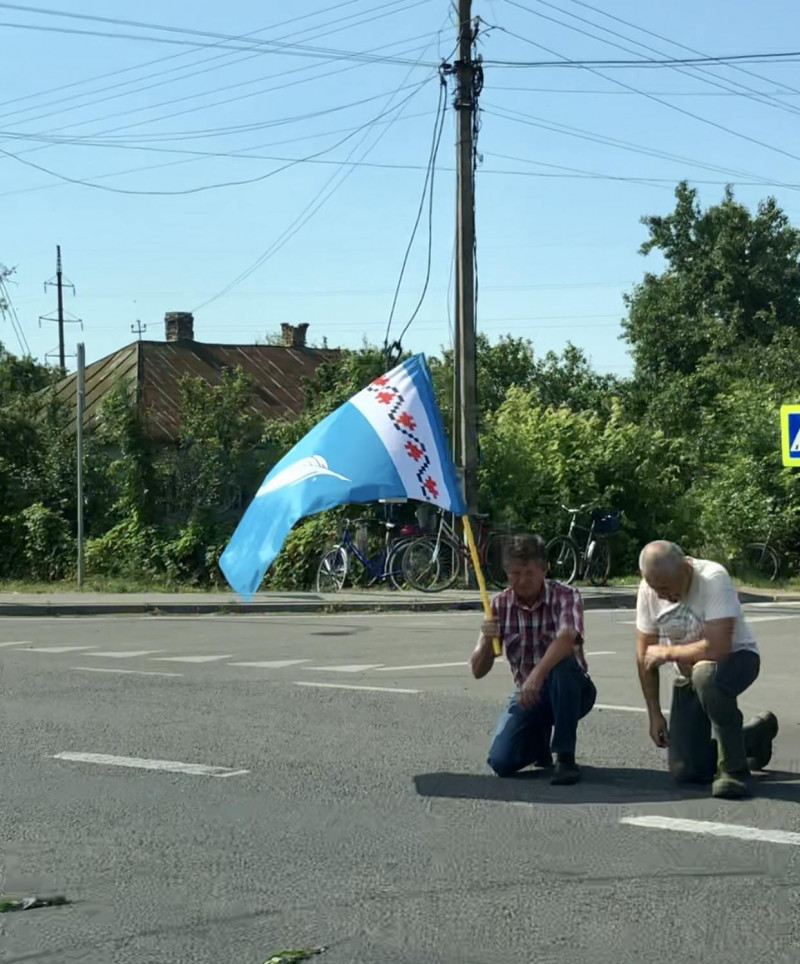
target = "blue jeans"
x: 522, y: 736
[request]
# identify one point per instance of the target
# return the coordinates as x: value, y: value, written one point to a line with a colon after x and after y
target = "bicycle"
x: 433, y: 563
x: 757, y: 559
x: 565, y: 558
x: 335, y: 564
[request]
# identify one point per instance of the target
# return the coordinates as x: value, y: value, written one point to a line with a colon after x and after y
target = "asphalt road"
x: 355, y: 809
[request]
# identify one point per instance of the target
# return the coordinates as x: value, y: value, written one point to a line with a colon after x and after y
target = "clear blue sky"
x: 556, y: 251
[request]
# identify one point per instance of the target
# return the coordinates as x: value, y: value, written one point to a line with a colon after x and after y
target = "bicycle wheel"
x: 332, y: 570
x: 394, y: 563
x: 431, y: 565
x: 494, y: 569
x: 761, y: 560
x: 598, y: 565
x: 562, y: 559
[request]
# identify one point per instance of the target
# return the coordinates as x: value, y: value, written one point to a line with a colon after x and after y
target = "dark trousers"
x: 706, y: 699
x: 523, y: 735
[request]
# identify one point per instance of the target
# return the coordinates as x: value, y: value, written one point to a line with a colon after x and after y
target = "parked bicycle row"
x: 429, y: 555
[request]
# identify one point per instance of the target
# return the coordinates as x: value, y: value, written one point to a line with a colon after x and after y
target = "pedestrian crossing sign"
x: 790, y: 434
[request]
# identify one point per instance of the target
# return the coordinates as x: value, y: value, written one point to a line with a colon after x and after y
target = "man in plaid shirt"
x: 540, y: 624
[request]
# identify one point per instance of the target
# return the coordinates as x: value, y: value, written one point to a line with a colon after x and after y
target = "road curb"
x: 621, y: 600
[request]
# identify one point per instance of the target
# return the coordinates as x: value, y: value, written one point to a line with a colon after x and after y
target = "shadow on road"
x: 611, y: 785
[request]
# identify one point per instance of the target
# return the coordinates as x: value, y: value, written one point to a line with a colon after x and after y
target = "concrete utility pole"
x: 80, y: 408
x: 465, y: 422
x: 59, y: 284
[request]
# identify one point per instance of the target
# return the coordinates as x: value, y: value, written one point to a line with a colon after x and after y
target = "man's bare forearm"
x: 648, y: 678
x: 482, y: 659
x: 650, y: 687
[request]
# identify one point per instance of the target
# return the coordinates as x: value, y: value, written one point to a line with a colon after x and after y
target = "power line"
x: 207, y: 187
x: 582, y: 134
x: 427, y: 189
x: 225, y: 102
x: 233, y: 61
x: 205, y: 155
x: 311, y: 208
x: 159, y: 60
x: 695, y: 72
x: 676, y: 43
x: 631, y: 93
x: 790, y: 57
x: 657, y: 100
x: 273, y: 46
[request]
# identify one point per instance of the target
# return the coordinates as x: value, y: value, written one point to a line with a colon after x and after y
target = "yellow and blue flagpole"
x: 476, y: 565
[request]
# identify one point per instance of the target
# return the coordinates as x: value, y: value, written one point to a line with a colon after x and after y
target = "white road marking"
x: 621, y: 709
x: 138, y: 763
x: 24, y: 642
x: 55, y: 649
x: 127, y: 672
x: 747, y: 616
x: 274, y: 663
x: 602, y: 652
x: 127, y: 654
x: 368, y: 689
x: 349, y: 668
x: 388, y: 669
x: 715, y: 829
x: 191, y: 659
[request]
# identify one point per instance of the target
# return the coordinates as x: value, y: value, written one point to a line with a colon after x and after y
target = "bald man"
x: 688, y: 614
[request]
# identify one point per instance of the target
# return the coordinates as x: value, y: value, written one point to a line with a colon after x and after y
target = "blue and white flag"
x: 388, y: 441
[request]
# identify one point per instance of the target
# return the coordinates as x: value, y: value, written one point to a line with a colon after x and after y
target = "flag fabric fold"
x: 388, y: 441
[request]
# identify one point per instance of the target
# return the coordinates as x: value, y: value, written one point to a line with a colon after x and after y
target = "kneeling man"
x: 688, y: 613
x: 540, y: 624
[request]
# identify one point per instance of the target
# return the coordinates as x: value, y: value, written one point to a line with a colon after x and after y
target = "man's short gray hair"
x: 662, y: 556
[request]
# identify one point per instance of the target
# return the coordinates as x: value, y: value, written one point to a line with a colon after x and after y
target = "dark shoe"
x: 566, y: 772
x: 759, y: 734
x: 731, y: 786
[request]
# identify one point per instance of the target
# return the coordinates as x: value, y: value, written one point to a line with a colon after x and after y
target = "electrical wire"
x: 582, y: 134
x: 273, y: 46
x: 160, y: 60
x: 427, y: 192
x: 317, y: 202
x: 229, y: 100
x: 208, y: 187
x: 695, y: 72
x: 657, y: 100
x: 676, y: 43
x: 232, y: 61
x: 8, y: 309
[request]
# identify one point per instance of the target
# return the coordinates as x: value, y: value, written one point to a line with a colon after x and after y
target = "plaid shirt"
x: 527, y: 631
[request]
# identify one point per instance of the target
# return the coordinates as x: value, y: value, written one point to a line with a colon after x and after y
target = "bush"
x: 296, y: 565
x: 128, y: 549
x: 49, y: 547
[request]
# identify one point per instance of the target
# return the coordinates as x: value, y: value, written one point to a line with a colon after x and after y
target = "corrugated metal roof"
x: 154, y: 369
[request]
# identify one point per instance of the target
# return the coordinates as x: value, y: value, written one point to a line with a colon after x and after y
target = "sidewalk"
x: 349, y: 601
x: 367, y: 600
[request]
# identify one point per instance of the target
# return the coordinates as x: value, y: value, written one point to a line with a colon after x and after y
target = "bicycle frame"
x: 586, y: 552
x: 375, y: 566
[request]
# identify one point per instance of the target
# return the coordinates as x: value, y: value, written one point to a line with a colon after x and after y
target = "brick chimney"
x: 179, y: 325
x: 294, y: 336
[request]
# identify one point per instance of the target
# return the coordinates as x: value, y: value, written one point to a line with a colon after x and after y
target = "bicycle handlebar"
x: 582, y: 508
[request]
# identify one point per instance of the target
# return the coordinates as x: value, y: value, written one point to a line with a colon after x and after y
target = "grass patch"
x: 110, y: 584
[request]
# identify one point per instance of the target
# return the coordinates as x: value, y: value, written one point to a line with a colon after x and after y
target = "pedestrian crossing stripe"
x: 790, y: 434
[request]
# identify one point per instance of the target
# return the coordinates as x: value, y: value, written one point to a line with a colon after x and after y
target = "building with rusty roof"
x: 153, y: 370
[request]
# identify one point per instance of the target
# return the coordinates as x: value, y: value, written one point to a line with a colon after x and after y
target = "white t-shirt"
x: 712, y: 595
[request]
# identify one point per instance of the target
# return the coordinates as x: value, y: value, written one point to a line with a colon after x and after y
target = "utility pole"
x: 469, y: 76
x: 138, y: 329
x: 80, y: 408
x: 59, y: 284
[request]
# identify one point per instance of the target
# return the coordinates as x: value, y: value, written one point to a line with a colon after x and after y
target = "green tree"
x: 731, y: 280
